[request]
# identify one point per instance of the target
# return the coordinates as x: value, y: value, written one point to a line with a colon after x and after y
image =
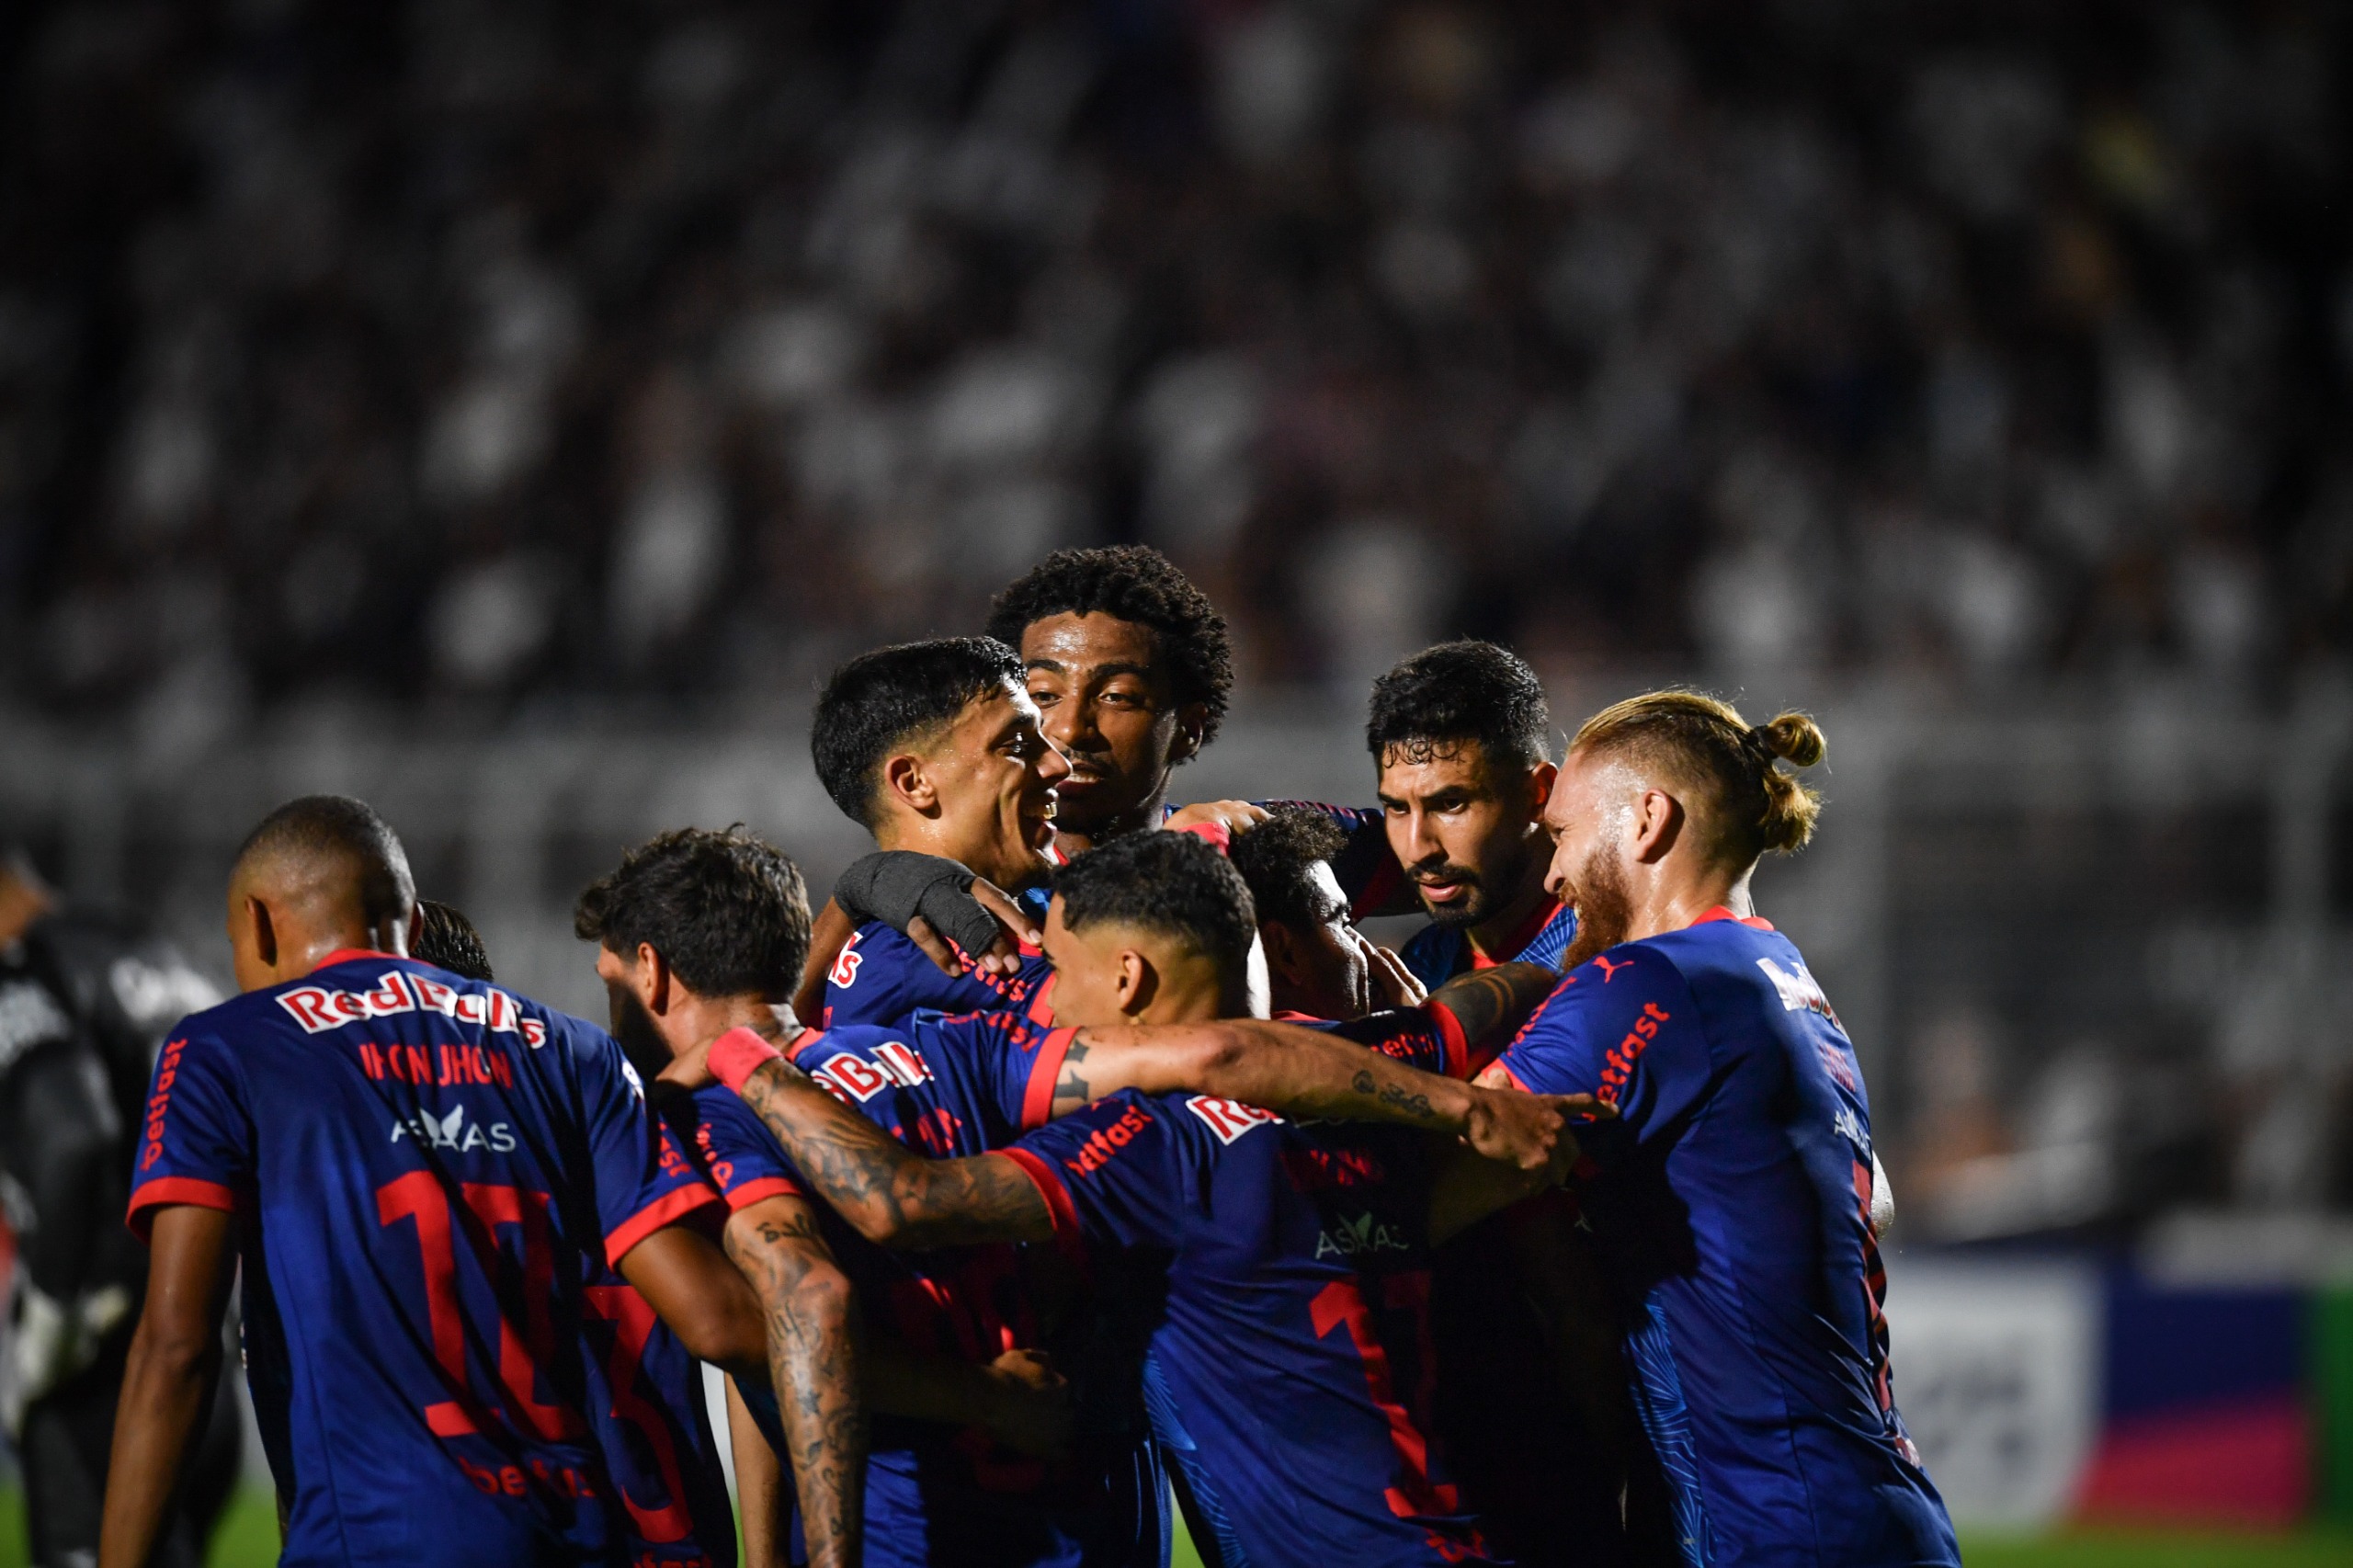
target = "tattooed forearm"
x: 812, y: 1353
x: 891, y: 1194
x: 1489, y: 1003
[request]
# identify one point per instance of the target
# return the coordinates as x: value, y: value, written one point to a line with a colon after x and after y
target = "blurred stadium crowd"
x: 505, y: 352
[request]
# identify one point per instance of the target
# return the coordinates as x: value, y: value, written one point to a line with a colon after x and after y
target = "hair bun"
x: 1794, y: 737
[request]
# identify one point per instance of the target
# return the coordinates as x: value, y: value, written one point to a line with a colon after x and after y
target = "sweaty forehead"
x: 1410, y: 769
x: 993, y: 712
x: 1083, y: 644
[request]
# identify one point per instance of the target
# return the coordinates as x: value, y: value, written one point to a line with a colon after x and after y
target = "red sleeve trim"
x: 1456, y: 1060
x: 761, y: 1191
x: 1038, y: 1100
x: 1513, y: 1077
x: 1057, y: 1197
x: 662, y: 1211
x: 1041, y: 1010
x: 1216, y: 834
x: 166, y: 1191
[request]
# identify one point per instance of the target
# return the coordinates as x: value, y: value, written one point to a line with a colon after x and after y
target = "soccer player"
x: 934, y: 748
x: 697, y: 932
x: 1460, y: 734
x: 1319, y: 964
x: 1129, y: 667
x: 1733, y: 1214
x: 85, y: 999
x: 1277, y: 1269
x: 420, y: 1176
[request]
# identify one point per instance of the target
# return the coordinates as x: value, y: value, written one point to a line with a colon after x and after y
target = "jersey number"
x: 633, y: 1320
x: 1341, y: 1303
x: 419, y: 1196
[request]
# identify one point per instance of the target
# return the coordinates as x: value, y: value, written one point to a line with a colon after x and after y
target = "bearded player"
x: 1732, y: 1217
x: 1278, y: 1272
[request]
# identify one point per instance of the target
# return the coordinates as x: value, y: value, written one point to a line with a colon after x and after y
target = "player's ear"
x: 1658, y: 822
x: 1138, y: 982
x: 905, y: 779
x: 1541, y: 780
x: 1193, y: 724
x: 265, y: 931
x: 651, y: 980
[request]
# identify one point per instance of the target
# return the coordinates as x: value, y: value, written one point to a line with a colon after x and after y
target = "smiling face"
x: 1106, y: 703
x: 983, y: 789
x: 1469, y: 836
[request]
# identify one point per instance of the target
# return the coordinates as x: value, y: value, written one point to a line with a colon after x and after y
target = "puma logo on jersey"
x: 452, y: 1131
x: 1609, y: 969
x: 1358, y: 1237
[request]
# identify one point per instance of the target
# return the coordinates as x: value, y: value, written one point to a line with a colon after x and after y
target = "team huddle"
x: 1079, y: 1159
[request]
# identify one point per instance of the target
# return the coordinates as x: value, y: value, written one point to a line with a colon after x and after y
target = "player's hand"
x: 1393, y: 985
x: 691, y: 1069
x: 1528, y: 1131
x: 1002, y: 957
x: 1234, y: 816
x: 1029, y: 1405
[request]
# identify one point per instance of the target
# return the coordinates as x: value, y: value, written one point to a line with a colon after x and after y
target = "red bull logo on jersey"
x: 453, y: 1131
x: 1229, y: 1118
x: 318, y: 1009
x: 856, y: 1078
x: 845, y: 971
x: 1798, y: 993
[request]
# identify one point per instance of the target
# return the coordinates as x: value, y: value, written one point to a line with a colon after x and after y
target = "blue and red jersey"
x: 431, y: 1180
x: 1438, y: 953
x: 1732, y: 1216
x: 946, y: 1088
x: 1280, y: 1277
x: 881, y: 976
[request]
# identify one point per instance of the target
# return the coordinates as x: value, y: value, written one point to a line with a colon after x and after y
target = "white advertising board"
x: 1997, y: 1373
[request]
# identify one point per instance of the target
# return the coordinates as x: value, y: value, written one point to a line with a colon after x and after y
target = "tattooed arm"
x: 1490, y: 1004
x: 811, y: 1326
x: 888, y: 1194
x: 1308, y: 1073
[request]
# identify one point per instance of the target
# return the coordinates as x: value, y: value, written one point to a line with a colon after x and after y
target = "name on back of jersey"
x: 319, y: 1008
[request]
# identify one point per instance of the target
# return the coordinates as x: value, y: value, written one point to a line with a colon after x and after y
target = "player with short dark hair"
x: 1275, y: 1267
x: 445, y: 938
x: 934, y: 748
x: 1733, y: 1215
x: 1461, y: 736
x: 446, y: 1170
x: 1319, y: 964
x: 1130, y: 668
x: 85, y: 996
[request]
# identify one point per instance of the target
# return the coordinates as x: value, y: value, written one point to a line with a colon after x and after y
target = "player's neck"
x: 690, y: 1020
x: 931, y: 836
x: 1147, y: 812
x: 1504, y: 927
x: 1678, y: 896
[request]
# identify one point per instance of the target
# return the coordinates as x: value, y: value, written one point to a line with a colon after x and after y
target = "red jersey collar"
x: 1720, y: 912
x: 1544, y: 915
x: 345, y: 955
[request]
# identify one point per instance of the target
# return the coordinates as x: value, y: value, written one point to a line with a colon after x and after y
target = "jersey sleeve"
x: 1018, y: 1059
x: 1115, y: 1172
x: 736, y: 1152
x: 196, y: 1142
x: 1427, y: 1037
x: 643, y: 1178
x: 1623, y: 1028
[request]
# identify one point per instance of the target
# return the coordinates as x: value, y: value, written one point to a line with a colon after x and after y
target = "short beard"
x: 639, y: 1040
x: 1605, y: 907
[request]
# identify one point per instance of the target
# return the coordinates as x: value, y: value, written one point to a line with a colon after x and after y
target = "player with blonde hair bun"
x: 1732, y: 1205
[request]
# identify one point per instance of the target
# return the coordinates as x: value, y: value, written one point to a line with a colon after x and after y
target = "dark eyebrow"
x: 1141, y: 672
